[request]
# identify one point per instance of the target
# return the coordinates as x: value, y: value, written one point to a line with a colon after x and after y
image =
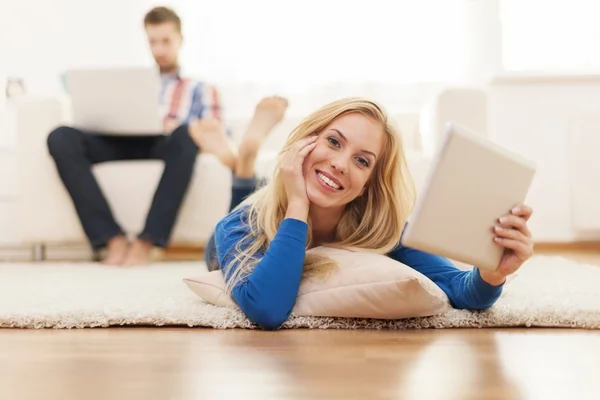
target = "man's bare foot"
x: 117, y: 249
x: 211, y: 137
x: 268, y: 113
x: 138, y: 254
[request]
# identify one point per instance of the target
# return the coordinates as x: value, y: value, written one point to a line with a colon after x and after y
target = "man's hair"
x: 161, y: 15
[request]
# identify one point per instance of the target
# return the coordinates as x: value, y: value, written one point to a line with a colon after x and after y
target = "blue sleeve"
x: 268, y: 295
x: 465, y: 289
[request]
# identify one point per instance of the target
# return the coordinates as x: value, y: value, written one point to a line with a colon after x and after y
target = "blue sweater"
x: 268, y: 295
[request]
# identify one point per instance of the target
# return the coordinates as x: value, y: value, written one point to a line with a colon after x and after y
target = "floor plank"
x: 181, y: 364
x: 146, y: 363
x: 589, y: 256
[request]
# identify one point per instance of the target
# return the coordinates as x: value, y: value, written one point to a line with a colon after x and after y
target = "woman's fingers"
x: 521, y: 249
x: 304, y: 152
x: 300, y: 144
x: 516, y: 222
x: 301, y: 149
x: 297, y: 153
x: 523, y: 211
x: 509, y: 233
x: 292, y: 169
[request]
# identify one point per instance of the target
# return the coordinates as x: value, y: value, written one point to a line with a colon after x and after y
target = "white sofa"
x: 46, y: 214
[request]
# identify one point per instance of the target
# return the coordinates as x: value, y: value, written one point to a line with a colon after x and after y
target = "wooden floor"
x: 179, y: 363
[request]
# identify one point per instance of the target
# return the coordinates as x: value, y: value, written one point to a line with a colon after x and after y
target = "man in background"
x: 190, y: 109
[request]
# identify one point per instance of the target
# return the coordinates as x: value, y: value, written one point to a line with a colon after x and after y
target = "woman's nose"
x: 340, y: 164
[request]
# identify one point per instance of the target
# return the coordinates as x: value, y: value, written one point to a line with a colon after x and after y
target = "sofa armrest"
x: 466, y: 106
x: 35, y: 119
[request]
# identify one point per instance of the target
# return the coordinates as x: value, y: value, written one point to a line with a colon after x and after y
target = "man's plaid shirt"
x: 186, y: 100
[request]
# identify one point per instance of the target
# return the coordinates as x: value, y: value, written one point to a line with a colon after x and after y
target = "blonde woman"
x: 341, y: 180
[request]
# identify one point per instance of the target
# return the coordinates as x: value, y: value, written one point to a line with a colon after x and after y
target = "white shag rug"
x: 547, y: 292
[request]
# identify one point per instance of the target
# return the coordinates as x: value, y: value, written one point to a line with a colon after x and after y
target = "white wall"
x: 484, y: 49
x: 554, y: 120
x: 40, y: 39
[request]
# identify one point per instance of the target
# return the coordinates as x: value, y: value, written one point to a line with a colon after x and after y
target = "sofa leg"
x: 39, y: 252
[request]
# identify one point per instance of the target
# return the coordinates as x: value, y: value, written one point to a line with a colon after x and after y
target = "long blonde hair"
x: 371, y: 222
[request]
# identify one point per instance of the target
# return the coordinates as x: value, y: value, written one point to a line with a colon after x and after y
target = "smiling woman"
x: 342, y: 161
x: 341, y: 181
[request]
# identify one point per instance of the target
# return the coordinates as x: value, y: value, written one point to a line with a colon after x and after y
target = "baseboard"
x: 16, y: 253
x: 82, y: 252
x: 591, y: 245
x: 79, y: 252
x: 198, y: 251
x: 183, y: 250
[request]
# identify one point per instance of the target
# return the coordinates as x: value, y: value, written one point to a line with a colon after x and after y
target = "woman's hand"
x: 513, y: 234
x: 293, y: 179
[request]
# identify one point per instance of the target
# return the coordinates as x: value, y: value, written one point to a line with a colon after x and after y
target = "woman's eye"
x: 333, y: 141
x: 363, y: 161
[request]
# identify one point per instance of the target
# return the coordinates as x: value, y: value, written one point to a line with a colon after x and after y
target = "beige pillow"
x: 365, y: 285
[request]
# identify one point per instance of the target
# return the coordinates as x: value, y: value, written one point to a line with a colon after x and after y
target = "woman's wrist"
x: 297, y: 210
x: 492, y: 278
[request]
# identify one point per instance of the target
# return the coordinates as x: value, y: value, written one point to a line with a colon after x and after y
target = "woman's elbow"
x: 264, y: 312
x: 270, y: 322
x: 267, y: 311
x: 460, y: 304
x: 267, y: 317
x: 476, y: 307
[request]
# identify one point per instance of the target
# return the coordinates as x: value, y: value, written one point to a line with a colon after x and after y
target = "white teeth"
x: 328, y: 181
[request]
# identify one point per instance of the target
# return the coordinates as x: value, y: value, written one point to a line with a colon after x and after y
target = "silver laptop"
x: 472, y: 182
x: 116, y: 101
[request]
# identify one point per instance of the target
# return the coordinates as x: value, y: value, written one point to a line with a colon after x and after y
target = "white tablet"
x: 473, y: 182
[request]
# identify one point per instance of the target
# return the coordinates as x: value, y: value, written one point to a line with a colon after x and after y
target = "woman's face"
x: 341, y: 163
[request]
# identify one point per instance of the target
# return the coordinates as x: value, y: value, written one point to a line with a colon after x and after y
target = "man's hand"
x: 170, y: 124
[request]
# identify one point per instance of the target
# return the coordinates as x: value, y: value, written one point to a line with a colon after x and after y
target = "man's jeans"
x: 241, y: 189
x: 75, y: 152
